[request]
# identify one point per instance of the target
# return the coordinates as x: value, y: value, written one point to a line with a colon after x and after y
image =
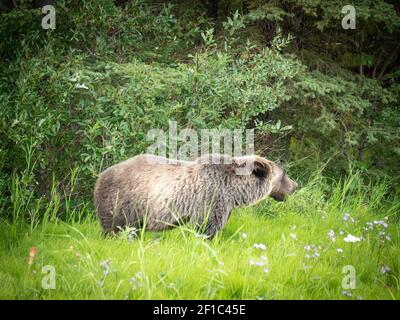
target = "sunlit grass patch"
x: 292, y: 250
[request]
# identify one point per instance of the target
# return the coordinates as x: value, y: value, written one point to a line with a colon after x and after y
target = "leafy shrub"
x: 85, y: 95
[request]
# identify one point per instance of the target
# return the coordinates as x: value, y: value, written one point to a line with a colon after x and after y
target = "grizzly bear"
x: 160, y: 193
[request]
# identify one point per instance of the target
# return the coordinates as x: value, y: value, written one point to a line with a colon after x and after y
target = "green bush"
x: 85, y: 95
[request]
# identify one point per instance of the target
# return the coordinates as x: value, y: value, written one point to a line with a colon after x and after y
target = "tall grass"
x: 300, y: 259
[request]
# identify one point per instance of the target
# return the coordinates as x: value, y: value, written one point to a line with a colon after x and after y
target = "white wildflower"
x: 351, y: 238
x: 384, y: 269
x: 348, y: 217
x: 346, y: 293
x: 260, y: 246
x: 369, y: 226
x: 331, y: 235
x: 381, y: 223
x: 106, y: 266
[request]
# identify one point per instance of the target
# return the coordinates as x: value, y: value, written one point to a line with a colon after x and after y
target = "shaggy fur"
x: 162, y: 193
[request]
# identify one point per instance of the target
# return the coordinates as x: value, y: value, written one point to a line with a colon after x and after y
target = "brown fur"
x: 149, y: 189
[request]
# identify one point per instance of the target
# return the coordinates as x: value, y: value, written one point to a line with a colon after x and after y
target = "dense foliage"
x: 85, y: 94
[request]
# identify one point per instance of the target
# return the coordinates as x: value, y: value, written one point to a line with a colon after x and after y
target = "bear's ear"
x: 250, y: 165
x: 261, y: 169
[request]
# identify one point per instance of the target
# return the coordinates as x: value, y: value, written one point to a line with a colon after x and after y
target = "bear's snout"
x: 286, y: 187
x: 294, y: 186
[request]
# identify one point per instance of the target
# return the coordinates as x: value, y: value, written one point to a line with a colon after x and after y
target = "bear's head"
x: 283, y: 185
x: 249, y: 179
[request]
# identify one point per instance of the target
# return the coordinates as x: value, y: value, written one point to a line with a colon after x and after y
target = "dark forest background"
x: 84, y: 95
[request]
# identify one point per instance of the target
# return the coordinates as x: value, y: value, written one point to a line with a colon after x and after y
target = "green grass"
x: 178, y: 265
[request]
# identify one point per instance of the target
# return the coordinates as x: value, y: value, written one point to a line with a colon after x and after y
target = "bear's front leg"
x: 216, y: 221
